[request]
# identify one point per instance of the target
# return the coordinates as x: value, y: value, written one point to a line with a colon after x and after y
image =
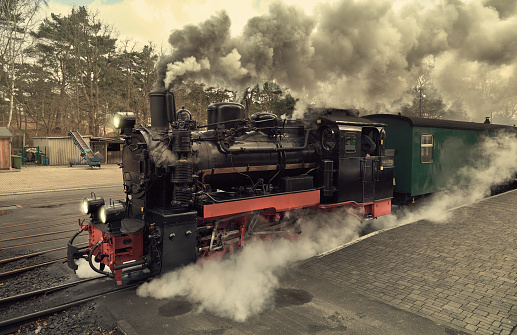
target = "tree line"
x: 71, y: 72
x: 68, y: 72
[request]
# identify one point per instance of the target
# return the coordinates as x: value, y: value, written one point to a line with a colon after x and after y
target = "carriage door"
x: 369, y: 162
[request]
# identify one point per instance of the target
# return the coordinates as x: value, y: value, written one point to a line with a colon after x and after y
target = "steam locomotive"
x: 194, y: 191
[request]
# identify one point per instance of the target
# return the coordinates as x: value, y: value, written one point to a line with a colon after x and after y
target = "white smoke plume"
x: 244, y: 284
x: 189, y: 64
x: 496, y: 164
x: 362, y: 53
x: 85, y: 271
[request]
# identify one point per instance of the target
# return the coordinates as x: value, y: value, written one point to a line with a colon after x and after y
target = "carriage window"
x: 426, y: 148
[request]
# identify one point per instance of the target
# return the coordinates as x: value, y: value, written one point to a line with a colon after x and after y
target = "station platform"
x: 458, y: 276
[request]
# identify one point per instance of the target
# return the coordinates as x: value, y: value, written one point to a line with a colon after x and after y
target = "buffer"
x: 93, y: 159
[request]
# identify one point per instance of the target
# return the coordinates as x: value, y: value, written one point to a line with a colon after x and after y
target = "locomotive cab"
x: 356, y: 177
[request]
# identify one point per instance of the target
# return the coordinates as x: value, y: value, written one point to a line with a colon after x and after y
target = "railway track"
x: 65, y: 201
x: 27, y: 295
x: 24, y: 268
x: 10, y: 325
x: 37, y: 235
x: 22, y: 202
x: 33, y: 243
x: 64, y: 218
x: 30, y: 267
x: 16, y: 258
x: 37, y: 222
x: 34, y: 229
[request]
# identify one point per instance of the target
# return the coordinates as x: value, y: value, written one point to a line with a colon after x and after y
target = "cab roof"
x: 344, y: 116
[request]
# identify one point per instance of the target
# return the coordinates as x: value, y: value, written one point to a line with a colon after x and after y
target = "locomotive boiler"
x: 196, y: 191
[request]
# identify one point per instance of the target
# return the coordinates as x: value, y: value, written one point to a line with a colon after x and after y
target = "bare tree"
x: 17, y: 18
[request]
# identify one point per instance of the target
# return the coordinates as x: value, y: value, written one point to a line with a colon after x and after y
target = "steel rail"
x: 34, y: 293
x: 41, y: 221
x: 27, y: 317
x: 37, y: 235
x: 37, y: 228
x: 12, y: 259
x: 57, y: 224
x: 12, y: 272
x: 66, y: 200
x: 32, y: 243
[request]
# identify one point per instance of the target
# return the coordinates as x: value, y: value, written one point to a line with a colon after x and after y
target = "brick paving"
x: 461, y: 272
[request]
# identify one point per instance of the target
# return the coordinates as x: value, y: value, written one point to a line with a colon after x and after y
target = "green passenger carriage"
x: 429, y: 152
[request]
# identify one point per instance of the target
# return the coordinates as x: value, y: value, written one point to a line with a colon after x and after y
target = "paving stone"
x: 471, y: 328
x: 462, y: 271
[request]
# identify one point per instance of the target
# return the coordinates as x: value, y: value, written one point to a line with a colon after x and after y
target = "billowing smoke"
x: 244, y: 284
x: 85, y: 271
x: 496, y: 164
x: 361, y: 53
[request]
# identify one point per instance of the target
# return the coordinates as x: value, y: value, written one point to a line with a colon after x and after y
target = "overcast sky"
x: 346, y: 53
x: 153, y: 20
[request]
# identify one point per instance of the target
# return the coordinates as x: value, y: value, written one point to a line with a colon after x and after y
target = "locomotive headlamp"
x: 92, y: 205
x: 113, y: 212
x: 124, y: 120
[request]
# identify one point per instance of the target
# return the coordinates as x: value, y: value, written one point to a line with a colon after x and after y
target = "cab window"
x: 350, y: 140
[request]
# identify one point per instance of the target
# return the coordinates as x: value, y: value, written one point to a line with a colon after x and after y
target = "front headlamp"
x: 123, y: 120
x: 112, y: 212
x: 91, y: 205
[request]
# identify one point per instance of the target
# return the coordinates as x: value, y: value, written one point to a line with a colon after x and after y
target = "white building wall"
x: 61, y: 150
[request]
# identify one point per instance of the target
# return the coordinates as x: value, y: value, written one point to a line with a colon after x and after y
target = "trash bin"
x: 16, y: 161
x: 45, y: 160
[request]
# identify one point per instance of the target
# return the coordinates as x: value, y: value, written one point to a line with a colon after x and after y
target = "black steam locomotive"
x: 202, y: 191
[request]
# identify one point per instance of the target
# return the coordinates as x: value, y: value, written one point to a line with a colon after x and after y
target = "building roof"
x: 4, y: 132
x: 59, y: 137
x: 107, y: 139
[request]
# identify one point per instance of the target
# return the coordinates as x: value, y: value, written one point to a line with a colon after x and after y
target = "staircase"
x: 93, y: 159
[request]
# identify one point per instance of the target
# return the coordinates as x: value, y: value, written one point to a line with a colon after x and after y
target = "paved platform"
x: 40, y: 178
x: 453, y: 277
x: 461, y: 272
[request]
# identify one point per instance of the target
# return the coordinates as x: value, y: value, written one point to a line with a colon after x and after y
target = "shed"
x: 109, y: 147
x: 5, y: 148
x: 61, y: 150
x: 429, y: 152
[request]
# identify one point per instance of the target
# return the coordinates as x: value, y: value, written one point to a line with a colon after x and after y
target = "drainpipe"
x: 10, y: 158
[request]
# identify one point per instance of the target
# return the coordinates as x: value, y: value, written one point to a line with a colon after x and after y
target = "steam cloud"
x: 244, y: 284
x: 496, y: 164
x: 350, y: 54
x: 85, y: 271
x: 361, y: 53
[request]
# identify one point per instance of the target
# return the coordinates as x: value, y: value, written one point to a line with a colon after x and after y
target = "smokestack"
x: 158, y: 101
